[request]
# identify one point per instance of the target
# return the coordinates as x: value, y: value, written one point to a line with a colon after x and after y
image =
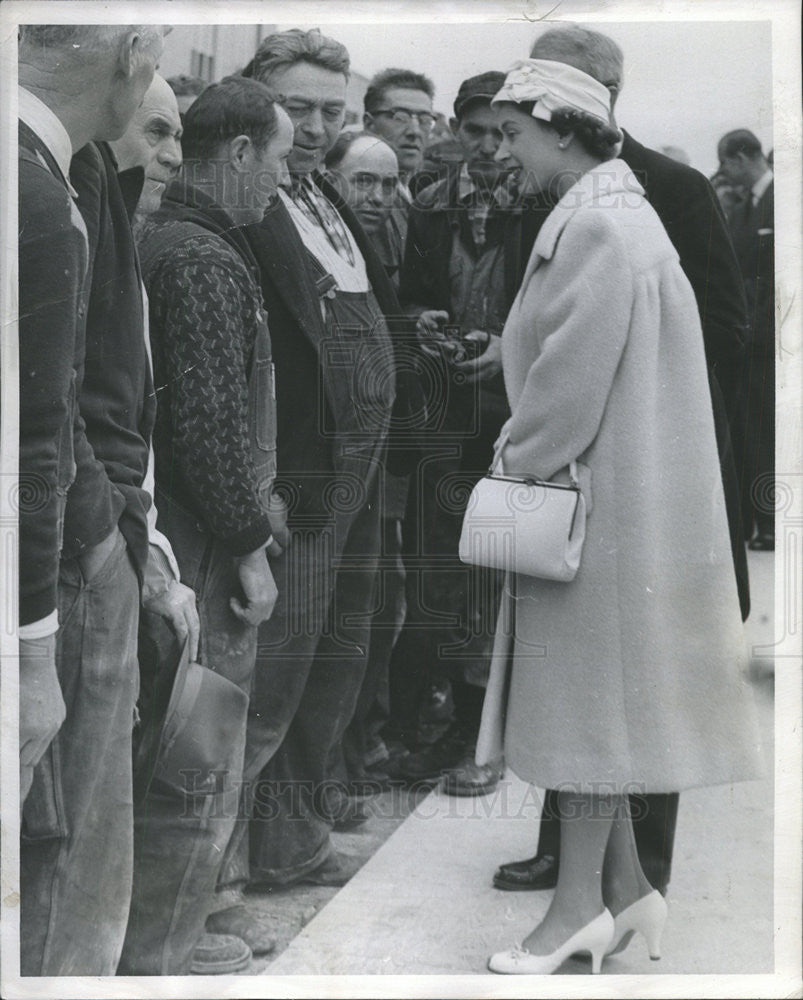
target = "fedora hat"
x: 192, y: 743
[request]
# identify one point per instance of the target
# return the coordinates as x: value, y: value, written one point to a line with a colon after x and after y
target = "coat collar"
x: 130, y: 180
x: 283, y: 264
x: 48, y: 128
x: 184, y: 202
x: 595, y: 187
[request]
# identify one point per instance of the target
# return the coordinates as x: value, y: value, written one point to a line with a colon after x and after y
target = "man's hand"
x: 258, y: 586
x: 177, y: 605
x: 277, y: 513
x: 487, y: 364
x: 42, y: 708
x: 428, y: 328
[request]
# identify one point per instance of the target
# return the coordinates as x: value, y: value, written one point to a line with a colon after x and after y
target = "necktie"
x: 320, y: 211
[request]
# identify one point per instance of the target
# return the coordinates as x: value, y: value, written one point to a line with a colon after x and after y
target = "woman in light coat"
x: 627, y: 679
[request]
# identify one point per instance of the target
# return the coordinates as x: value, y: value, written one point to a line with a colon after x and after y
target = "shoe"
x: 595, y: 938
x: 248, y: 925
x: 540, y: 872
x: 394, y: 765
x: 368, y: 783
x: 334, y: 872
x: 762, y: 543
x: 219, y: 954
x: 341, y: 810
x: 376, y: 754
x: 472, y: 779
x: 351, y: 814
x: 646, y: 916
x: 430, y: 763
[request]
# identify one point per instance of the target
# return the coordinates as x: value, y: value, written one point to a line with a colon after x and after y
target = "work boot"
x: 255, y: 928
x: 219, y: 955
x: 469, y: 779
x: 431, y: 762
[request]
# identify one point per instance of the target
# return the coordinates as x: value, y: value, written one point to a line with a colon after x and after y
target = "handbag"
x: 525, y: 525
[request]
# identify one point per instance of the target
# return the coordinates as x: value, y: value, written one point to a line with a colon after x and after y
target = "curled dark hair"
x: 597, y: 137
x: 286, y: 48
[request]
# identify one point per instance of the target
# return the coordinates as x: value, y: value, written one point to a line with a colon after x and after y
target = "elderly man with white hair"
x: 83, y: 549
x: 152, y: 142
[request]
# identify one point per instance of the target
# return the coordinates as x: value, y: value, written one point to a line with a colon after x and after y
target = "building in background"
x: 212, y: 51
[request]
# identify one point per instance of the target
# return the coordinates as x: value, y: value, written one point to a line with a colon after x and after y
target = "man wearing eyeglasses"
x: 398, y: 108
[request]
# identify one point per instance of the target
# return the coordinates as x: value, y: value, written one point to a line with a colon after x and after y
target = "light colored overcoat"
x: 631, y: 677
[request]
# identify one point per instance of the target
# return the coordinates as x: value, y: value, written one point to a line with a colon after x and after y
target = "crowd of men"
x: 260, y: 369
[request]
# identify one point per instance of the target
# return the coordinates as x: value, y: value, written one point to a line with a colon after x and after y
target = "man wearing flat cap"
x: 453, y: 278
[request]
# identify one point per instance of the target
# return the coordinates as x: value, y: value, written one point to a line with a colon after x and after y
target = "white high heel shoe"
x: 647, y: 916
x: 595, y: 937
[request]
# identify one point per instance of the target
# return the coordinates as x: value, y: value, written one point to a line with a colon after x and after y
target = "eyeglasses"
x: 402, y: 116
x: 366, y: 182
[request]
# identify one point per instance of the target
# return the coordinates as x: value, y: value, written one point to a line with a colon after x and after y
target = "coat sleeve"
x: 200, y: 303
x: 52, y: 266
x: 701, y: 238
x: 93, y: 504
x: 424, y: 279
x: 582, y: 325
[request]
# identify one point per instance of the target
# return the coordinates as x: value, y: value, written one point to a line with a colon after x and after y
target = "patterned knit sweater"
x: 203, y: 316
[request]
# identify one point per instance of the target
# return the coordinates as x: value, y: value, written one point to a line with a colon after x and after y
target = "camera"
x: 462, y: 347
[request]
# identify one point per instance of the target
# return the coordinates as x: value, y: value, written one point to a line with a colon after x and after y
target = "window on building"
x: 202, y: 65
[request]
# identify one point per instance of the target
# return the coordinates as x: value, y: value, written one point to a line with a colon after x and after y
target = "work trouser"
x: 373, y: 704
x: 310, y: 666
x: 77, y: 824
x: 451, y: 607
x: 180, y: 838
x: 312, y: 653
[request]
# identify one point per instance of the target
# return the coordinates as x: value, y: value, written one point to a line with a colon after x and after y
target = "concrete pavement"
x: 423, y: 903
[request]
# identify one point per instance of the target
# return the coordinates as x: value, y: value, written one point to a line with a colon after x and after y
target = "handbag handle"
x: 497, y: 457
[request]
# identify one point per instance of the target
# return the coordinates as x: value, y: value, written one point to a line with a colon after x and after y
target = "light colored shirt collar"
x: 40, y: 119
x: 761, y: 186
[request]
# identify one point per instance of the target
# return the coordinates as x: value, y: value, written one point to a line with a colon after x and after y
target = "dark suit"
x: 689, y: 209
x: 752, y: 229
